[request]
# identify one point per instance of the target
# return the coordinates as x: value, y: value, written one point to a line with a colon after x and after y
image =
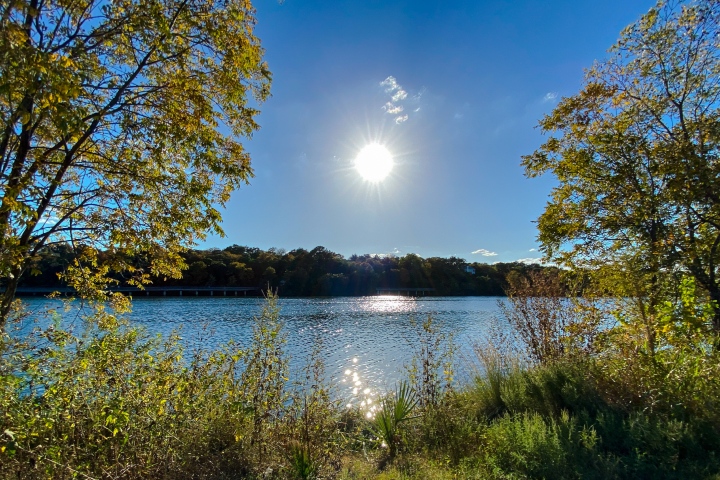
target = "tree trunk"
x: 715, y: 298
x: 8, y: 297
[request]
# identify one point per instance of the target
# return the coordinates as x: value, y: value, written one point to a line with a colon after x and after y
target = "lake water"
x: 366, y: 341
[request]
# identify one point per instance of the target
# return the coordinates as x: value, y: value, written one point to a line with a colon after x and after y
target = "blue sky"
x: 477, y: 77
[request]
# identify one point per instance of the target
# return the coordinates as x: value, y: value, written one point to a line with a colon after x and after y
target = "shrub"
x: 114, y: 402
x: 431, y: 371
x: 548, y: 320
x: 530, y: 446
x: 313, y: 418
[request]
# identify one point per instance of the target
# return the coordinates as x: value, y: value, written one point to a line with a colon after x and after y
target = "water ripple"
x: 370, y: 337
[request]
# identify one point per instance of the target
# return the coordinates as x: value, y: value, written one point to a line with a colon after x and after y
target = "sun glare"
x: 374, y: 162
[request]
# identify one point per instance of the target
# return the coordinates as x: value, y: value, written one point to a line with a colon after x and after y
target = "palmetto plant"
x: 394, y: 409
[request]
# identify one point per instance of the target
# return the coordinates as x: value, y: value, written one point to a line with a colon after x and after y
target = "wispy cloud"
x: 530, y: 261
x: 397, y: 95
x: 531, y: 250
x: 550, y: 96
x: 484, y: 253
x: 390, y: 84
x: 393, y: 253
x: 462, y: 111
x: 393, y: 109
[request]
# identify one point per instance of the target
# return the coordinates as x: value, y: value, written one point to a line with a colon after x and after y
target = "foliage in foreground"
x: 111, y: 402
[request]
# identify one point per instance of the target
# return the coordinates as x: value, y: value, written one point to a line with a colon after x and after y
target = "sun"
x: 374, y: 162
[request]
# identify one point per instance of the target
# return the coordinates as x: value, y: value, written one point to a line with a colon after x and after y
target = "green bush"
x: 529, y: 446
x: 114, y: 402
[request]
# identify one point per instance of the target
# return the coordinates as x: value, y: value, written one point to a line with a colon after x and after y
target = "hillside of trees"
x: 300, y: 272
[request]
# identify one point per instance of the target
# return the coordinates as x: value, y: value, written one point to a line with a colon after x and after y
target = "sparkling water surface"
x: 366, y: 341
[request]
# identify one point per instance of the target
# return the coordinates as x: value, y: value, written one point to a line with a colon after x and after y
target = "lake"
x: 366, y: 341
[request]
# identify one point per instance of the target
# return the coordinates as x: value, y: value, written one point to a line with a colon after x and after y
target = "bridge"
x: 149, y: 291
x: 410, y: 292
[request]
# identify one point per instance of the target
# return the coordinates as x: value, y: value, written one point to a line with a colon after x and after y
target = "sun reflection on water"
x: 359, y: 397
x: 358, y: 380
x: 389, y: 303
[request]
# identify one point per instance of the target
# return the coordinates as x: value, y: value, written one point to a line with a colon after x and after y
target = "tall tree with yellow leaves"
x: 119, y: 128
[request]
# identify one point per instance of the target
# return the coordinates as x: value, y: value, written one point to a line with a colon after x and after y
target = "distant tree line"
x: 300, y: 272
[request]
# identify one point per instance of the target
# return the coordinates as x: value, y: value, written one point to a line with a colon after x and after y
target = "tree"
x: 636, y: 157
x: 119, y: 128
